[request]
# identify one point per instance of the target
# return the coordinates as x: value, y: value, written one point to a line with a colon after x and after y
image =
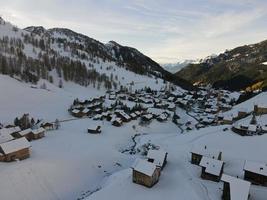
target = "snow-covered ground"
x: 70, y: 164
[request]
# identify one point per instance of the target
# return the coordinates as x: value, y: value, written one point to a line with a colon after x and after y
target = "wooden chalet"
x: 48, y: 126
x: 227, y: 120
x: 158, y: 157
x: 37, y: 133
x: 198, y: 153
x: 25, y: 133
x: 147, y: 117
x: 77, y: 113
x: 15, y: 149
x: 260, y: 109
x: 145, y: 173
x: 31, y: 134
x: 256, y: 173
x: 163, y: 117
x: 94, y: 130
x: 116, y: 121
x: 133, y: 116
x: 124, y: 117
x: 211, y: 169
x: 235, y: 188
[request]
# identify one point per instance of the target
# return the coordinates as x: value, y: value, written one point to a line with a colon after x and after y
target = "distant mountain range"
x: 35, y: 52
x: 241, y: 68
x: 175, y: 67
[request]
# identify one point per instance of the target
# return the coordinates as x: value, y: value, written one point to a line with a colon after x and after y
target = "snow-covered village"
x: 82, y: 119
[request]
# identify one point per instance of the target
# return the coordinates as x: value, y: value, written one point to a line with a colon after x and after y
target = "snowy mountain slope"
x: 34, y: 52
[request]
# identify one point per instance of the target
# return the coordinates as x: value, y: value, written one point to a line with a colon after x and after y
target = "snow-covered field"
x: 70, y: 164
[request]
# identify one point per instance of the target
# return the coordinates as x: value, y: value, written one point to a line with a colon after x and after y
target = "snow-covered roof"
x: 75, y: 111
x: 204, y: 151
x: 37, y: 131
x: 255, y: 167
x: 86, y: 110
x: 15, y: 145
x: 5, y: 138
x: 10, y: 130
x: 212, y: 166
x: 239, y: 189
x: 158, y: 156
x: 144, y: 167
x: 148, y: 116
x: 25, y: 132
x: 252, y: 128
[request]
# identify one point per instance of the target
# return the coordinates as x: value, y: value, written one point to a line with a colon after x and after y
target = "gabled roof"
x: 5, y: 138
x: 144, y: 167
x: 239, y: 189
x: 25, y: 132
x: 10, y: 130
x: 158, y: 156
x: 212, y: 166
x: 15, y: 145
x: 37, y: 131
x: 204, y: 151
x: 256, y: 167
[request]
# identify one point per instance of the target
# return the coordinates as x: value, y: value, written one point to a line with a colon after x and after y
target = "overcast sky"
x: 165, y: 30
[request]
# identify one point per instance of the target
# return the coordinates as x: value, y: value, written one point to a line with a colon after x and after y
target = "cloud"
x: 165, y: 30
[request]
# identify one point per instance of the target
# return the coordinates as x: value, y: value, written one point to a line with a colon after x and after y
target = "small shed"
x: 48, y: 126
x: 77, y: 113
x: 145, y: 173
x: 256, y: 173
x: 147, y: 117
x: 211, y: 169
x: 94, y: 130
x: 158, y: 157
x: 235, y: 188
x: 37, y: 133
x: 15, y: 149
x: 116, y: 121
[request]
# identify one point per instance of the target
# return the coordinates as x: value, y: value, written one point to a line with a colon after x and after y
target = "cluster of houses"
x: 147, y: 172
x: 122, y: 107
x: 253, y: 127
x: 212, y: 168
x: 14, y: 142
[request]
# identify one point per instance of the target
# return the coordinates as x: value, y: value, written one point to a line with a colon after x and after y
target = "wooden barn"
x: 211, y: 169
x: 15, y: 149
x: 235, y: 188
x: 37, y: 133
x: 158, y: 157
x: 145, y: 173
x: 198, y: 153
x: 256, y: 173
x: 94, y: 130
